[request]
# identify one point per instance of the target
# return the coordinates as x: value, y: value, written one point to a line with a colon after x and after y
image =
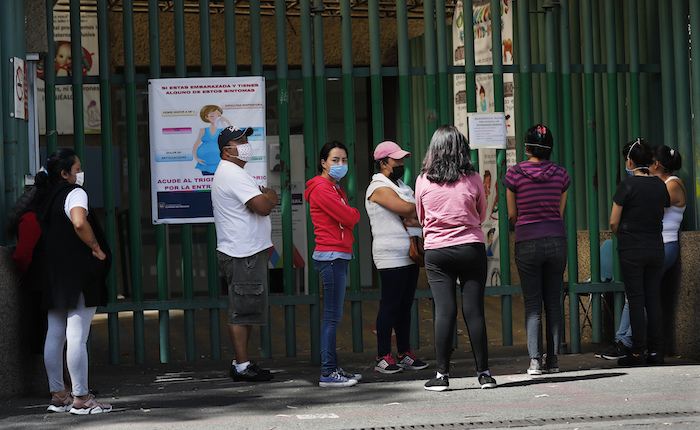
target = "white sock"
x: 440, y: 375
x: 485, y: 372
x: 241, y: 366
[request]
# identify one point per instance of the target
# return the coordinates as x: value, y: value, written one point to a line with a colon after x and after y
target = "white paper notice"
x: 487, y: 130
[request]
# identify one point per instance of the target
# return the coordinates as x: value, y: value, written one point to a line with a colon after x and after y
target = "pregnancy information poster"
x: 186, y: 117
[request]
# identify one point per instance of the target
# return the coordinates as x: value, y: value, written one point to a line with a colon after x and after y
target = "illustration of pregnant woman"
x: 206, y: 148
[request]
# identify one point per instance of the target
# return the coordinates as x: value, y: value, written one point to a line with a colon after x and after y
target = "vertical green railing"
x: 503, y: 228
x: 351, y: 139
x: 161, y: 229
x: 76, y: 48
x: 444, y: 92
x: 310, y: 153
x: 693, y: 188
x: 667, y: 74
x: 470, y: 66
x: 50, y: 84
x: 431, y: 84
x: 133, y: 173
x: 212, y: 262
x: 285, y: 176
x: 107, y: 172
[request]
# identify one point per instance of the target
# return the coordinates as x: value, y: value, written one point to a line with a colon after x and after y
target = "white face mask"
x: 245, y: 152
x: 80, y: 178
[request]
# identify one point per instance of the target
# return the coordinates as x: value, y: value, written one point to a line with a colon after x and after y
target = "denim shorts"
x: 247, y: 288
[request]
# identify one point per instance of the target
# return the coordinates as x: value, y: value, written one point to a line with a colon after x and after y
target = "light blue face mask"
x: 338, y: 171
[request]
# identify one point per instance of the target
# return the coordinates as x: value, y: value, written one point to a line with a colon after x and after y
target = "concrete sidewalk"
x: 588, y: 393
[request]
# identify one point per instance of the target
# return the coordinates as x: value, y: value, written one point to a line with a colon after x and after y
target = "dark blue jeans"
x: 398, y: 290
x: 642, y: 270
x: 444, y: 266
x: 334, y: 275
x: 541, y: 264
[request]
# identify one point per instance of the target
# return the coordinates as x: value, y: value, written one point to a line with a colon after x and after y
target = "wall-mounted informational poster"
x: 185, y: 118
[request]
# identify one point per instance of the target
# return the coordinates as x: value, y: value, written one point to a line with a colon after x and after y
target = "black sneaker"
x: 252, y: 373
x: 438, y: 384
x: 615, y: 351
x: 486, y: 381
x: 631, y: 360
x: 551, y: 364
x: 655, y: 359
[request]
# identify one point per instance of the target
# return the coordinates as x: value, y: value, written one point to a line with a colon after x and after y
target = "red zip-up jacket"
x: 333, y: 218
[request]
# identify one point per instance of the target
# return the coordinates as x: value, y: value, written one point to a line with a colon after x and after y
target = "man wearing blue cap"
x: 243, y: 229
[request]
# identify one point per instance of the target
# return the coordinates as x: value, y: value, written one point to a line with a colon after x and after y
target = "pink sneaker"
x: 89, y: 406
x: 59, y: 404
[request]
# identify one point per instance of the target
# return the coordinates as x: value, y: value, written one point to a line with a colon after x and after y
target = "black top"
x: 70, y: 266
x: 643, y: 199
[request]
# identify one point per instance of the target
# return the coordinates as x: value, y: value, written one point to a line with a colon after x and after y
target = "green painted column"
x: 50, y: 85
x: 470, y: 66
x: 77, y: 82
x: 683, y: 120
x: 212, y: 260
x: 230, y: 37
x: 591, y: 165
x: 567, y: 143
x: 132, y: 148
x: 375, y: 65
x: 107, y: 172
x: 310, y: 154
x: 524, y: 96
x: 694, y: 197
x: 431, y: 84
x: 503, y: 228
x: 633, y: 25
x: 285, y: 176
x: 551, y: 66
x: 668, y: 85
x: 350, y: 138
x: 444, y: 89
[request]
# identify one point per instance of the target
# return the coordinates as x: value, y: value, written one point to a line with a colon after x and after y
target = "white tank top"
x: 673, y: 216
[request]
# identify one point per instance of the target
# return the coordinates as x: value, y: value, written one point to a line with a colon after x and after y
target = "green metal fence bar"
x: 307, y: 83
x: 667, y: 74
x: 503, y: 227
x: 256, y: 68
x: 470, y: 66
x: 524, y: 96
x: 633, y: 26
x: 694, y: 197
x: 375, y: 63
x: 107, y: 171
x: 76, y: 49
x: 285, y: 176
x: 406, y: 131
x: 567, y: 143
x: 431, y: 85
x: 161, y: 229
x: 50, y: 84
x: 683, y: 119
x: 230, y: 37
x: 613, y: 129
x: 444, y: 89
x: 350, y: 137
x: 212, y: 262
x: 536, y: 42
x: 551, y: 65
x: 133, y: 179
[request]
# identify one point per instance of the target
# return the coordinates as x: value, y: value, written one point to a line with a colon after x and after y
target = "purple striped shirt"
x: 538, y: 187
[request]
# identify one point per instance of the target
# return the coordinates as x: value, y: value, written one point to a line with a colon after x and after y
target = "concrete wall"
x: 21, y: 372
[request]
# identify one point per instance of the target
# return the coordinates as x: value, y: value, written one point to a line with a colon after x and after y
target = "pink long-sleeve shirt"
x: 451, y: 213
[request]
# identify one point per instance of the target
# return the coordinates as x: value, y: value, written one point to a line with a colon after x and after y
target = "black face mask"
x: 397, y: 173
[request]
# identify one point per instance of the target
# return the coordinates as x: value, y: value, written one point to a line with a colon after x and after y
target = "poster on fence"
x: 479, y: 23
x: 185, y: 118
x: 64, y: 65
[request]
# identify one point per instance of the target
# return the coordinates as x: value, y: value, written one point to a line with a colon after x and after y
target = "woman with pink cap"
x: 391, y: 208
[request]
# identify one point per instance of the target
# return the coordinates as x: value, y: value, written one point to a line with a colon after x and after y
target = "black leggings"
x: 444, y: 266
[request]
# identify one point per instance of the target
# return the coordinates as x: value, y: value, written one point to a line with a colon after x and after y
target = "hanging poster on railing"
x: 64, y: 65
x: 185, y: 119
x: 480, y: 24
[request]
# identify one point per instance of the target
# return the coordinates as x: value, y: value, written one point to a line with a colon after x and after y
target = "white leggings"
x: 72, y: 325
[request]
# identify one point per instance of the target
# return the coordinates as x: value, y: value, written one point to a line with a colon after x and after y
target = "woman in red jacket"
x: 333, y: 220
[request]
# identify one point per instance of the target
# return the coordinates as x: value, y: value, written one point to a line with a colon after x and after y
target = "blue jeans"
x: 624, y: 332
x: 334, y: 275
x: 541, y: 264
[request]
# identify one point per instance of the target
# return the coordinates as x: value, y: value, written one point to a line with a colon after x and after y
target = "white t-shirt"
x: 76, y: 198
x: 390, y: 240
x: 240, y: 232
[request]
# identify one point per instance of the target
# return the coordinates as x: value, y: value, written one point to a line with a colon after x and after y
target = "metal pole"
x: 633, y: 24
x: 431, y: 85
x: 350, y: 138
x: 285, y: 176
x: 50, y: 84
x: 444, y: 91
x: 667, y: 74
x: 307, y: 82
x: 375, y: 63
x: 470, y: 66
x: 107, y: 172
x: 551, y: 63
x: 525, y: 95
x: 133, y: 175
x: 212, y: 261
x: 693, y: 198
x: 76, y: 48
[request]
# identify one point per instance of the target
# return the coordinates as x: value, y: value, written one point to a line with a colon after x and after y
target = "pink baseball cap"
x: 390, y: 149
